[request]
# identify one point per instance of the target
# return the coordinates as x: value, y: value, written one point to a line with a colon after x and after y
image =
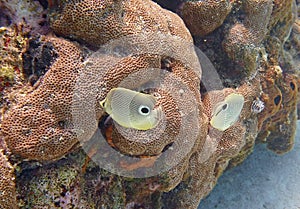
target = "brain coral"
x: 244, y: 37
x: 37, y: 126
x: 41, y: 125
x: 96, y: 22
x: 203, y: 17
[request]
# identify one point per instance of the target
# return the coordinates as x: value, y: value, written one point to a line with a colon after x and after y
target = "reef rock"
x: 62, y: 59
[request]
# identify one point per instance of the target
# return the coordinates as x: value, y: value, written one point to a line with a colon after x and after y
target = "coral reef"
x: 22, y: 126
x: 98, y: 22
x: 278, y: 122
x: 58, y: 187
x: 203, y: 17
x: 51, y: 88
x: 7, y: 185
x: 13, y: 43
x: 30, y: 14
x: 244, y: 38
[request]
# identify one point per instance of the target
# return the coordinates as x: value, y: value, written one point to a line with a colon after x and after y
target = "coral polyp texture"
x: 244, y: 38
x: 60, y: 59
x: 203, y: 17
x: 96, y: 22
x: 37, y: 127
x: 7, y: 185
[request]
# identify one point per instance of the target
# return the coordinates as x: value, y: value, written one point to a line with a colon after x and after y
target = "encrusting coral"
x: 8, y: 198
x: 244, y: 38
x: 203, y: 17
x: 145, y: 48
x: 96, y: 22
x: 278, y: 121
x: 37, y: 126
x: 45, y: 127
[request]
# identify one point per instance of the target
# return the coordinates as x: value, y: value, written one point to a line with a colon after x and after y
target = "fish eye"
x: 144, y: 110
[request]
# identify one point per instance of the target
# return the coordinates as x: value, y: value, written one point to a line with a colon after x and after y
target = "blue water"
x: 263, y: 181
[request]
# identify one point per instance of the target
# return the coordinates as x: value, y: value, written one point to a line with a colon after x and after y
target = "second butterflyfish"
x: 227, y: 112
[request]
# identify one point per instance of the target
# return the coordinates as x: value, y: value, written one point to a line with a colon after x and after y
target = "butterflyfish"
x: 132, y: 109
x: 227, y: 112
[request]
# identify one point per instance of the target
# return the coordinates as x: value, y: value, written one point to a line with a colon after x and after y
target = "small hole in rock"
x: 27, y: 132
x: 33, y: 79
x: 166, y: 64
x: 57, y: 203
x: 292, y: 85
x: 62, y: 124
x: 277, y: 100
x: 167, y: 147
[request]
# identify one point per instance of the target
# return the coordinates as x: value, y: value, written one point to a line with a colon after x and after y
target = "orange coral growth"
x: 244, y: 37
x: 278, y: 121
x: 203, y: 17
x: 8, y: 198
x: 41, y: 125
x: 143, y: 162
x: 278, y: 128
x: 97, y: 22
x: 38, y: 126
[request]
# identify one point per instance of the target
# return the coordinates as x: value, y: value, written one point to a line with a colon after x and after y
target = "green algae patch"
x: 50, y: 186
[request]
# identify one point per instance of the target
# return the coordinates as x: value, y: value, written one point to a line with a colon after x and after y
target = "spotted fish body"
x: 132, y: 109
x: 227, y: 112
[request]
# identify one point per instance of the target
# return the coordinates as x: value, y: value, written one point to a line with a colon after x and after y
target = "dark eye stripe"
x: 224, y: 107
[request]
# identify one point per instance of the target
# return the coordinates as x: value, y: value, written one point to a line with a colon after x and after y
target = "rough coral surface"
x: 37, y: 127
x: 248, y: 41
x: 277, y: 122
x: 13, y: 44
x: 7, y: 186
x: 203, y: 17
x: 244, y: 37
x: 96, y: 22
x: 46, y: 126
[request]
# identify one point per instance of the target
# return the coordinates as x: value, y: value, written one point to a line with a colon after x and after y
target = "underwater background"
x: 60, y: 147
x: 264, y: 180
